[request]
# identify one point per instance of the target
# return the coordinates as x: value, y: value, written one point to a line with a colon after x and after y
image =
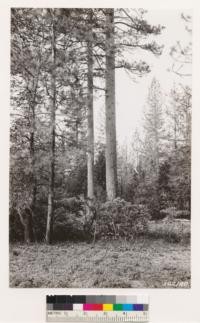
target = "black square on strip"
x: 58, y: 307
x: 69, y: 299
x: 51, y: 299
x: 78, y: 299
x: 61, y: 299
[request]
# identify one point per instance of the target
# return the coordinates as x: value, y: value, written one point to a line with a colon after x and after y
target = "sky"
x: 131, y: 95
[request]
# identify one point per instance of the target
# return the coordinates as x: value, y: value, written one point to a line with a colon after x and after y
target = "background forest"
x: 71, y: 179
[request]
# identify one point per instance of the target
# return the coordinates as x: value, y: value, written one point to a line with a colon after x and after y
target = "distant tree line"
x: 156, y: 171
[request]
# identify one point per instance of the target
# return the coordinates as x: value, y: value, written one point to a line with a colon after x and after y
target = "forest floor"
x: 145, y: 263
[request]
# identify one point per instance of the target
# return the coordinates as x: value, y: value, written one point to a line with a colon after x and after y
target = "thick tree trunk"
x: 111, y: 154
x: 90, y: 120
x: 50, y: 212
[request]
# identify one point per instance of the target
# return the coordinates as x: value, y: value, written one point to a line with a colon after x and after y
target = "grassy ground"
x: 145, y: 263
x: 170, y: 230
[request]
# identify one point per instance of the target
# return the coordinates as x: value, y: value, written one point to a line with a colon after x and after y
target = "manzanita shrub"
x: 121, y: 219
x: 95, y: 220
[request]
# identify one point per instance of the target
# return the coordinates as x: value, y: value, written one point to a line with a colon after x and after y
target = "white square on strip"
x: 142, y: 299
x: 77, y: 307
x: 131, y: 299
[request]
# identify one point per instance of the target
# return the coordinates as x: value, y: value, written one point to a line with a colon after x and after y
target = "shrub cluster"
x: 119, y: 218
x: 80, y: 219
x: 173, y: 213
x: 170, y: 230
x: 110, y: 220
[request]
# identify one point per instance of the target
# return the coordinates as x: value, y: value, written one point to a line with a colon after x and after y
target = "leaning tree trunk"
x: 111, y: 154
x: 50, y: 212
x: 90, y: 120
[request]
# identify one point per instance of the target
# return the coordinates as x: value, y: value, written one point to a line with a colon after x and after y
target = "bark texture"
x: 111, y: 154
x: 50, y: 212
x: 90, y: 120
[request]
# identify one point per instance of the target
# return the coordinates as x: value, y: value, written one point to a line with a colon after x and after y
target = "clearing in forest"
x: 145, y: 263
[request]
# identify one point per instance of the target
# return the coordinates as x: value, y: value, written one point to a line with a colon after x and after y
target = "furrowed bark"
x: 50, y: 212
x: 111, y: 154
x: 90, y: 120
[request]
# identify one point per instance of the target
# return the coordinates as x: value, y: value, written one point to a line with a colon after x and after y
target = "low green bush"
x: 173, y: 213
x: 119, y: 218
x: 94, y: 220
x: 170, y: 230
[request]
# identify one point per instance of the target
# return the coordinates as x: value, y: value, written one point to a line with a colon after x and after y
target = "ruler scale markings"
x: 79, y: 318
x: 101, y: 308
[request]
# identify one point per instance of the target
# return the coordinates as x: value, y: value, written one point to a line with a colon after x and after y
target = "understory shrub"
x: 94, y: 220
x: 121, y: 219
x: 69, y: 226
x: 173, y: 213
x: 171, y: 230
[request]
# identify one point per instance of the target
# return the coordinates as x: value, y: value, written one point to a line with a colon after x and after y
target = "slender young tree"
x: 154, y: 127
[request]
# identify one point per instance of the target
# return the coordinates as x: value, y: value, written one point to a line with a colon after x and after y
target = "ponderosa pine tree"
x: 50, y: 210
x: 90, y: 118
x: 116, y: 39
x: 111, y: 149
x: 84, y: 48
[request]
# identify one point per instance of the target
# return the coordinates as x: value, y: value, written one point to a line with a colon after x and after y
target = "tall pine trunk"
x: 90, y: 120
x: 50, y: 212
x: 111, y: 154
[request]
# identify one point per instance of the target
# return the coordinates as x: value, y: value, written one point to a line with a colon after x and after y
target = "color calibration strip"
x: 78, y: 308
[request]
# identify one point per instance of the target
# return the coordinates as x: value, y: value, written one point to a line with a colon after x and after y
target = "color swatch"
x: 105, y: 303
x: 97, y: 308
